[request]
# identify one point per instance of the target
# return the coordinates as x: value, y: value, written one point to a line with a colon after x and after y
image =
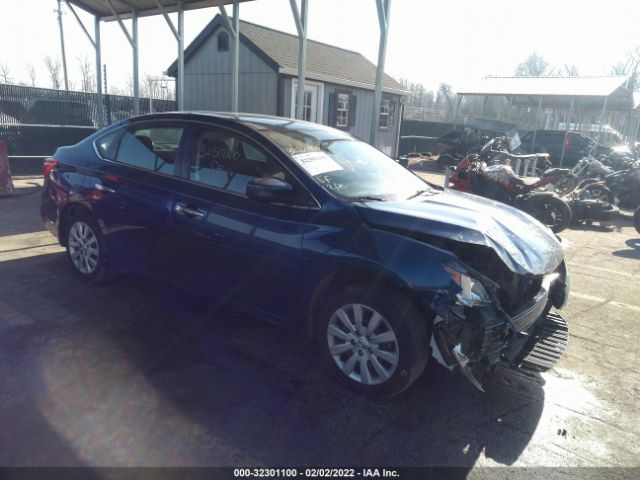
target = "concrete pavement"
x: 132, y: 373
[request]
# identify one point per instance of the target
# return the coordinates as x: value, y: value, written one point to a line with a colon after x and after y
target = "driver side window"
x: 228, y: 161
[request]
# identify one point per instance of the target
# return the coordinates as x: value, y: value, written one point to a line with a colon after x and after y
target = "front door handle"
x: 188, y: 212
x: 102, y: 188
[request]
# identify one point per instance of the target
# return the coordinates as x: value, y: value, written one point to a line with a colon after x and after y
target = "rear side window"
x: 108, y: 144
x: 151, y: 148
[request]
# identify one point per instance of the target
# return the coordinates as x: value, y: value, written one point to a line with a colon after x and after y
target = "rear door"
x: 244, y: 250
x: 132, y: 192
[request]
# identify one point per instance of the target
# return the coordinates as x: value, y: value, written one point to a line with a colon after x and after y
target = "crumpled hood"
x: 524, y: 244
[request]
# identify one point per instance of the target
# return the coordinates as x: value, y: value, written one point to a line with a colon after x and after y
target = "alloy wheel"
x: 84, y: 249
x: 363, y: 344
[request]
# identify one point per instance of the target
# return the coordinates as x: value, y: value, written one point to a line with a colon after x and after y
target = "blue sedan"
x: 303, y: 224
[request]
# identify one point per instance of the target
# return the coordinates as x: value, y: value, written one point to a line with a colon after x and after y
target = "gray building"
x: 339, y: 83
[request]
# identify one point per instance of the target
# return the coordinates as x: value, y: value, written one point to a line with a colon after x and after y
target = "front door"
x: 243, y: 250
x: 312, y: 109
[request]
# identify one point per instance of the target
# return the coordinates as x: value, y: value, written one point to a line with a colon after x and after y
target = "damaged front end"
x: 499, y: 317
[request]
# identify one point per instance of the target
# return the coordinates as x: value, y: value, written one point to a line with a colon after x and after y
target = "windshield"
x: 346, y: 167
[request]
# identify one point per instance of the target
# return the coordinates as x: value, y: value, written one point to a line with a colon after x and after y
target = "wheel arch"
x: 70, y: 211
x: 355, y: 275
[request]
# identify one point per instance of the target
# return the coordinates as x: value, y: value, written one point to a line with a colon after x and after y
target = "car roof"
x: 252, y: 120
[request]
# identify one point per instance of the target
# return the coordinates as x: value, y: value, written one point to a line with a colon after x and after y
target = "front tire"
x: 375, y: 343
x: 86, y: 249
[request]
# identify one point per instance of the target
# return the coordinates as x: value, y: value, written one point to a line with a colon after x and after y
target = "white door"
x: 312, y: 107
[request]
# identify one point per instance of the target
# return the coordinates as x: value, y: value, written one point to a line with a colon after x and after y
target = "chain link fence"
x: 36, y: 121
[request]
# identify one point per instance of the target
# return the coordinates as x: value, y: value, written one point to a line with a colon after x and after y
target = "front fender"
x: 403, y: 261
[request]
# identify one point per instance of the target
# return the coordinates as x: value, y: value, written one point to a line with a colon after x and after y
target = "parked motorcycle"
x: 585, y: 209
x: 591, y: 167
x: 622, y: 188
x: 500, y: 183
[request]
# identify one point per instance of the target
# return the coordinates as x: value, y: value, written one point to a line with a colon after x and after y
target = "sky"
x: 429, y: 42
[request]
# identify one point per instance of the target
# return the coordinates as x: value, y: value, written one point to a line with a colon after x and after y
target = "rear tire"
x: 374, y: 343
x: 554, y: 212
x: 600, y: 192
x: 636, y: 219
x: 86, y: 249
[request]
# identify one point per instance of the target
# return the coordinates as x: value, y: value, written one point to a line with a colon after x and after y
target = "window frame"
x: 347, y: 110
x: 195, y: 129
x: 140, y: 125
x: 218, y: 38
x: 387, y: 114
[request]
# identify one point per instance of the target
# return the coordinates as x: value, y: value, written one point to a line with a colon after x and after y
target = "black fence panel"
x: 36, y: 121
x: 42, y: 106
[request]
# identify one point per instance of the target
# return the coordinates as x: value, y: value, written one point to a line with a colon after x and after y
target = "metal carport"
x: 120, y: 10
x: 586, y: 93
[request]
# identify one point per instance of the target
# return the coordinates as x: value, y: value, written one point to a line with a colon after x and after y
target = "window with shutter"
x: 342, y: 110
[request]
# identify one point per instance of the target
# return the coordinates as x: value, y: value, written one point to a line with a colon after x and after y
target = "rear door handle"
x: 188, y: 212
x: 102, y: 188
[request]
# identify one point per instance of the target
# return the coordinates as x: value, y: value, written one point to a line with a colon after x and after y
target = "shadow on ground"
x: 133, y: 373
x: 632, y: 252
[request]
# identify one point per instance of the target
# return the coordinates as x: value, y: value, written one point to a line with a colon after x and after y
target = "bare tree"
x: 31, y: 72
x: 620, y: 68
x: 534, y: 66
x: 53, y: 67
x: 87, y: 75
x: 419, y: 96
x: 569, y: 71
x: 5, y: 76
x: 445, y: 93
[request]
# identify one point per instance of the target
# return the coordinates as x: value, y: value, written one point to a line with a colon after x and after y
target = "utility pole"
x: 64, y: 54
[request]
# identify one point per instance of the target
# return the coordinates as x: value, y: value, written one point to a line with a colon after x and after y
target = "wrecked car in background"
x: 305, y: 225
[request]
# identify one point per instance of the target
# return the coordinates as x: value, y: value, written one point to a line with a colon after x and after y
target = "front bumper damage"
x: 478, y: 339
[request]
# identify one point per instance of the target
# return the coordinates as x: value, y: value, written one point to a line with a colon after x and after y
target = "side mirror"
x: 268, y: 189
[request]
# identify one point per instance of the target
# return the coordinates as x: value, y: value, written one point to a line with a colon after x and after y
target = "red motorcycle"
x: 500, y: 183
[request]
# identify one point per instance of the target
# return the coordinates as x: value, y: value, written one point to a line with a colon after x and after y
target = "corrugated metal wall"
x: 208, y: 80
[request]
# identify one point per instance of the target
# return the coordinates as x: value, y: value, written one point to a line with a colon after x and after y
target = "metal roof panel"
x: 144, y: 8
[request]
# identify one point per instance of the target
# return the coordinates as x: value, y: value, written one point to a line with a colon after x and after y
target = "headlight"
x: 473, y: 293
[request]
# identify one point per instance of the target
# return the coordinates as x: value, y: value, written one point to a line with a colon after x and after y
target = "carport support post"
x: 179, y: 36
x: 384, y: 7
x: 602, y: 118
x: 484, y: 104
x: 134, y: 44
x: 455, y: 115
x: 235, y: 33
x: 566, y: 130
x: 300, y: 18
x: 180, y: 92
x: 535, y: 131
x: 98, y: 48
x: 236, y: 54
